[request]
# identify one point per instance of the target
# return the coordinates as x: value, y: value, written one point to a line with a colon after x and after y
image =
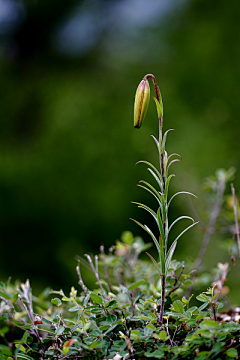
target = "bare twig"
x: 103, y: 256
x: 30, y: 316
x: 81, y: 283
x: 235, y: 216
x: 171, y: 342
x: 212, y: 221
x: 210, y: 230
x: 96, y: 275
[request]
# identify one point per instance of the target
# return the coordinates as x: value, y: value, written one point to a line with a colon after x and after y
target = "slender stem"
x: 209, y: 231
x: 81, y: 280
x: 163, y: 298
x: 96, y: 275
x: 155, y: 85
x: 235, y: 216
x: 212, y: 221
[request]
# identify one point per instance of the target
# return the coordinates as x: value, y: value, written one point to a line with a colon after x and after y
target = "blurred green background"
x: 68, y: 72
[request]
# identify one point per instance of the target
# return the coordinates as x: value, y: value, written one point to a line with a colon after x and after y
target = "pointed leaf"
x: 156, y: 142
x: 159, y: 108
x: 180, y: 218
x: 156, y: 178
x: 171, y: 251
x: 155, y: 263
x: 144, y: 227
x: 153, y: 167
x: 173, y: 161
x: 151, y: 188
x: 145, y: 188
x: 148, y: 209
x: 169, y: 256
x: 165, y: 137
x: 180, y: 192
x: 136, y: 284
x: 167, y: 185
x: 165, y: 164
x: 160, y: 224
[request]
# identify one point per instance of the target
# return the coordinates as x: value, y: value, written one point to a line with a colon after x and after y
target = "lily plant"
x: 162, y: 177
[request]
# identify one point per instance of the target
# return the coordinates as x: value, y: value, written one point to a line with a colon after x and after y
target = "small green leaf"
x: 136, y: 284
x: 232, y: 352
x: 134, y: 334
x: 203, y: 298
x: 162, y: 335
x: 142, y: 317
x: 159, y: 107
x: 158, y: 354
x: 203, y: 306
x: 188, y: 282
x: 148, y: 331
x: 97, y: 299
x: 209, y: 324
x: 151, y: 326
x: 5, y: 296
x: 74, y: 308
x: 178, y: 306
x: 59, y: 330
x: 96, y: 344
x: 56, y: 301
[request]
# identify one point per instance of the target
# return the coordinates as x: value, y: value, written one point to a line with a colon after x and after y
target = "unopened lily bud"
x: 141, y: 102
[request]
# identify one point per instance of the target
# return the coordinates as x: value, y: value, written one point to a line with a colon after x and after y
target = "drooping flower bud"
x: 141, y: 102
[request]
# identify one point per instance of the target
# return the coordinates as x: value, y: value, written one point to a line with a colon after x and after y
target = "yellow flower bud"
x: 141, y: 102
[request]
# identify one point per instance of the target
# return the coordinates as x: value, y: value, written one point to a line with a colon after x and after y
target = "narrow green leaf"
x: 163, y: 208
x: 169, y: 157
x: 160, y: 224
x: 167, y: 186
x: 24, y: 357
x: 169, y: 257
x: 156, y: 178
x: 153, y: 167
x: 5, y: 296
x: 171, y: 251
x: 159, y: 107
x: 180, y: 192
x: 144, y: 227
x: 155, y: 140
x: 151, y: 188
x: 145, y: 188
x: 202, y: 298
x: 180, y: 218
x: 59, y: 330
x: 74, y: 308
x: 155, y: 263
x: 111, y: 329
x: 203, y: 306
x: 145, y: 207
x: 165, y: 137
x: 136, y: 284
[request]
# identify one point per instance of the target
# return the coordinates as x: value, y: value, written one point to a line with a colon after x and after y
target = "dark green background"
x: 68, y: 75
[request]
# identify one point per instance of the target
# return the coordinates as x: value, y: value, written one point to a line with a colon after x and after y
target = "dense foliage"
x: 119, y: 319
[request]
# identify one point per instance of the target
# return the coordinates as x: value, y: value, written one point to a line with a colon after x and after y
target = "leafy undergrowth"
x: 119, y: 319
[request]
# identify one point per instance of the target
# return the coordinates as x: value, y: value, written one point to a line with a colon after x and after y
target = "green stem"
x: 163, y: 298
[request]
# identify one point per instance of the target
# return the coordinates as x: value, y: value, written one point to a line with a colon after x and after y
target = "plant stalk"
x: 162, y: 299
